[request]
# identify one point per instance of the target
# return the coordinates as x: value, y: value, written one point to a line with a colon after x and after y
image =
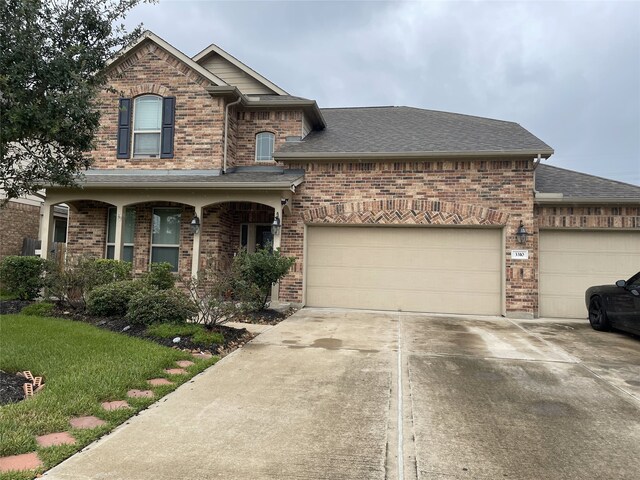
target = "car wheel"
x: 598, y: 316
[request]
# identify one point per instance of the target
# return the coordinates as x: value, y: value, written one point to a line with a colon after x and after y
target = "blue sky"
x: 569, y: 72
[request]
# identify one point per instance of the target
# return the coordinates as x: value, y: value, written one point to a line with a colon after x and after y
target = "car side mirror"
x: 621, y: 283
x: 635, y: 292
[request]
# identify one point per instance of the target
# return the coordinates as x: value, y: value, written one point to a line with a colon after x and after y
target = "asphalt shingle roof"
x: 406, y: 129
x: 550, y: 179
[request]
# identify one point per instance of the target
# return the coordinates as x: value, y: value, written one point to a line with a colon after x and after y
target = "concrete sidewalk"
x: 337, y: 394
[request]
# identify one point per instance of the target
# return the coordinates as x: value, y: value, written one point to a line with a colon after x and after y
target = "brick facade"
x: 19, y: 221
x: 587, y: 217
x: 199, y: 117
x: 469, y: 192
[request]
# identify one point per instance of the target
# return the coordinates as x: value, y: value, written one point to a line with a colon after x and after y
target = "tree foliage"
x: 52, y: 66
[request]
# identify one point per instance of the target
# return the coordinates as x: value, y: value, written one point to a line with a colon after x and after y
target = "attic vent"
x: 293, y: 139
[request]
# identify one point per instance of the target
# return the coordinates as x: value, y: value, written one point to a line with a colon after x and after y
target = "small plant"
x: 264, y: 268
x: 160, y: 306
x: 160, y: 276
x: 113, y: 299
x: 41, y: 309
x: 71, y: 285
x: 22, y: 277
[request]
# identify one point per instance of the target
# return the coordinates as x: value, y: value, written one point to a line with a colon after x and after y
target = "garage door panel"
x: 449, y: 270
x: 572, y: 261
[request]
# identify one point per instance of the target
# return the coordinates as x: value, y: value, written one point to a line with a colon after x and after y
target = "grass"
x: 198, y: 333
x: 82, y: 366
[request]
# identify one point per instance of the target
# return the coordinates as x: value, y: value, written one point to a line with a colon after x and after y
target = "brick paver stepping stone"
x: 115, y: 405
x: 53, y: 439
x: 204, y: 356
x: 175, y: 371
x: 159, y: 381
x: 26, y: 461
x: 86, y: 422
x: 140, y: 393
x: 184, y: 363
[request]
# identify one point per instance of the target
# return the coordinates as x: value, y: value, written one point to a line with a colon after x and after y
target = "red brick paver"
x: 140, y: 393
x: 26, y: 461
x: 86, y: 422
x: 115, y: 405
x: 159, y: 381
x: 175, y: 371
x: 204, y: 356
x: 184, y: 363
x: 52, y: 439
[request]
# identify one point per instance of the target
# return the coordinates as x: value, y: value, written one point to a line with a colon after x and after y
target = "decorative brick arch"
x: 405, y: 212
x: 149, y: 88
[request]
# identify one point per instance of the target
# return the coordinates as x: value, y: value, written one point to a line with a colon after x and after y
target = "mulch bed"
x: 8, y: 307
x: 265, y: 317
x: 11, y: 387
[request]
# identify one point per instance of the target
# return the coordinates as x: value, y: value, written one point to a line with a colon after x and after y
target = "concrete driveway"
x: 335, y: 394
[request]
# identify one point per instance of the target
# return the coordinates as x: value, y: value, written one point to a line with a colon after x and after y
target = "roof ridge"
x: 592, y: 176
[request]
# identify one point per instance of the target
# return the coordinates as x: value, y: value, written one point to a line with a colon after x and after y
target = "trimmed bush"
x: 72, y: 285
x: 22, y: 277
x: 160, y: 306
x: 113, y: 299
x: 161, y: 276
x: 41, y: 309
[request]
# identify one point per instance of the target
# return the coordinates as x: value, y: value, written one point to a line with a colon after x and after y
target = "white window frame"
x: 251, y: 235
x: 124, y: 244
x: 165, y: 245
x: 273, y: 145
x: 134, y: 131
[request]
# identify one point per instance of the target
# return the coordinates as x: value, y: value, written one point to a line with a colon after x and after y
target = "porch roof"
x: 240, y: 177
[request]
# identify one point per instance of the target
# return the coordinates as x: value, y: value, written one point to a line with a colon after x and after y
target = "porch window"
x: 264, y: 146
x: 127, y: 234
x: 254, y: 236
x: 165, y: 238
x: 147, y: 124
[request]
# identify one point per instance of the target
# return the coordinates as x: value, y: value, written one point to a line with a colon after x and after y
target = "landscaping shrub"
x: 263, y: 269
x: 113, y: 299
x: 22, y: 277
x: 41, y: 309
x: 71, y: 285
x: 160, y: 306
x: 161, y: 276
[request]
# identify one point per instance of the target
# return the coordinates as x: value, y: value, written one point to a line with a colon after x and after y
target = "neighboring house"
x: 390, y: 208
x: 20, y: 220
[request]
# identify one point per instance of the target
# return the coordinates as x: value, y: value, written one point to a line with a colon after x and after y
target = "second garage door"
x: 444, y: 270
x: 573, y: 260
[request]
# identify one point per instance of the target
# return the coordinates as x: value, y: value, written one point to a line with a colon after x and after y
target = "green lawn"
x: 82, y: 366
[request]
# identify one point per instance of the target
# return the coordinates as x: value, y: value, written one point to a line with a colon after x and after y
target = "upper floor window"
x: 264, y: 146
x: 146, y: 127
x: 147, y: 124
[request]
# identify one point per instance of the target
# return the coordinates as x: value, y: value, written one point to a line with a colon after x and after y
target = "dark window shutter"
x: 168, y: 127
x: 124, y: 128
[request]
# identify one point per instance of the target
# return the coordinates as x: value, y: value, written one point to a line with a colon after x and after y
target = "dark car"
x: 615, y: 306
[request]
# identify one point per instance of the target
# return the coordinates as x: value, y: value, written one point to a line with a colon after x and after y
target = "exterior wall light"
x: 522, y: 234
x: 195, y: 224
x: 276, y: 226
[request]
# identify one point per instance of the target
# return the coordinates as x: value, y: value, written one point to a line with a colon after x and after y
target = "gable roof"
x: 152, y: 37
x: 411, y: 132
x: 214, y: 49
x: 554, y: 184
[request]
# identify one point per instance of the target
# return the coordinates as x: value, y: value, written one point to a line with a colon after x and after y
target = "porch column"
x: 195, y: 253
x: 46, y: 232
x: 275, y: 289
x: 120, y: 217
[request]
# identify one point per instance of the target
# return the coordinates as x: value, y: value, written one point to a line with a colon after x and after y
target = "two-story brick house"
x: 390, y: 208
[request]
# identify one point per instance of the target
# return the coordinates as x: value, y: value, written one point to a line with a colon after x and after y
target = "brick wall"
x: 587, y: 216
x: 282, y: 123
x: 87, y: 231
x: 19, y: 221
x: 470, y: 192
x: 199, y: 117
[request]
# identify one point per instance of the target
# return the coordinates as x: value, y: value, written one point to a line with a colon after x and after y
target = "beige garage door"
x: 572, y: 261
x: 446, y: 270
